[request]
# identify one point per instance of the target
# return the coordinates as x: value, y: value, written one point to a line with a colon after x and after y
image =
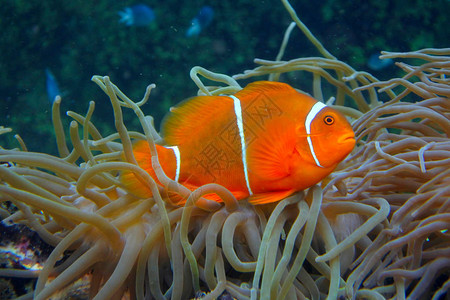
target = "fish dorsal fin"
x: 192, y: 116
x: 269, y: 88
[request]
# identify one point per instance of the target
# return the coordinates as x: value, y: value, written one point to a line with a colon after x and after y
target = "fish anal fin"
x: 177, y: 199
x: 269, y: 197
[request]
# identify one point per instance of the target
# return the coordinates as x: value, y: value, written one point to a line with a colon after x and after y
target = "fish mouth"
x: 347, y: 138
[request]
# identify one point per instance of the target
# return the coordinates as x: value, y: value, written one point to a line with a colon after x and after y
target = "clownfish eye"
x: 328, y: 120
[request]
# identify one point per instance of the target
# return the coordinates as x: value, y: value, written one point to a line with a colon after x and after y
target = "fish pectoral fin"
x: 269, y: 197
x: 270, y: 156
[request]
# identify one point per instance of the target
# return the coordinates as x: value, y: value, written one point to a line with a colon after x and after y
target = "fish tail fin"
x: 142, y: 154
x: 176, y: 198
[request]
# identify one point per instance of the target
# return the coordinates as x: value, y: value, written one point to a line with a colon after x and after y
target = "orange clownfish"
x: 263, y: 143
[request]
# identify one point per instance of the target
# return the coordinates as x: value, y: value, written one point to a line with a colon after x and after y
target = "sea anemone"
x: 375, y: 228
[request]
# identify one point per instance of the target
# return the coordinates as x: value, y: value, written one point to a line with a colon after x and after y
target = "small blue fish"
x: 376, y: 64
x: 52, y: 86
x: 137, y: 15
x: 203, y: 18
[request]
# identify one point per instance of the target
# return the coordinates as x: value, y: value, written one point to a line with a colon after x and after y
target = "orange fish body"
x: 265, y: 142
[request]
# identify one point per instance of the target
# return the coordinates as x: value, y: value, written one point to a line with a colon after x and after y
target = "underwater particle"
x: 51, y: 85
x: 376, y: 64
x: 219, y: 46
x: 137, y: 15
x: 202, y: 20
